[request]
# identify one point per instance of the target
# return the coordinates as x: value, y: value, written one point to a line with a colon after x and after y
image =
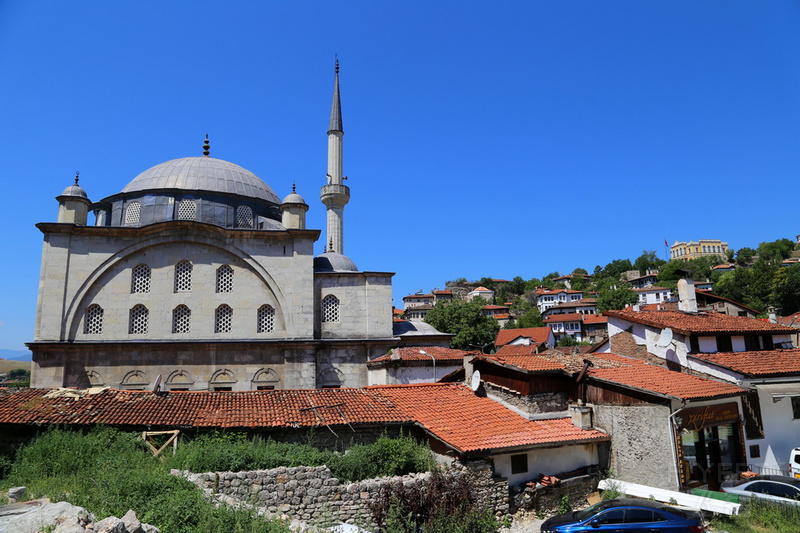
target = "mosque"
x: 197, y: 277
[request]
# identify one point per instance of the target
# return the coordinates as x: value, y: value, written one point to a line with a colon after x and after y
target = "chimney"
x: 581, y: 416
x: 772, y: 314
x: 686, y: 295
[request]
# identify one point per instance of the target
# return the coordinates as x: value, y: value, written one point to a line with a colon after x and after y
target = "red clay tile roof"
x: 688, y: 323
x: 412, y: 354
x: 711, y: 296
x: 447, y: 411
x: 539, y: 335
x: 636, y: 374
x: 471, y: 423
x: 418, y: 297
x: 595, y: 319
x: 583, y: 302
x: 529, y: 362
x: 761, y: 363
x: 274, y: 408
x: 495, y: 307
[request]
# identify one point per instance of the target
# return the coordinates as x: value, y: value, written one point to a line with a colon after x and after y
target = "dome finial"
x: 206, y: 147
x: 76, y: 176
x: 294, y: 187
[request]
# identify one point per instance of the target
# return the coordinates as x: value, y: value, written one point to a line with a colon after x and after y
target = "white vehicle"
x: 794, y: 462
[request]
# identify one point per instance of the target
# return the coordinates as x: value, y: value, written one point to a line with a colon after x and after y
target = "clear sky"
x: 481, y: 139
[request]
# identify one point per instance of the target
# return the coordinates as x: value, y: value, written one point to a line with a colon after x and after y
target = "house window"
x: 224, y: 279
x: 266, y: 319
x: 181, y: 319
x: 694, y: 344
x: 140, y: 279
x: 93, y: 321
x: 330, y: 309
x: 132, y: 213
x: 755, y: 451
x: 766, y: 341
x: 223, y: 318
x: 796, y: 407
x: 724, y: 343
x: 187, y: 210
x: 183, y: 276
x: 751, y: 343
x: 244, y: 217
x: 137, y: 320
x: 519, y: 463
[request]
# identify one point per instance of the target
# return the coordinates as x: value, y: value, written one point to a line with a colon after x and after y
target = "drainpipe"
x: 672, y: 444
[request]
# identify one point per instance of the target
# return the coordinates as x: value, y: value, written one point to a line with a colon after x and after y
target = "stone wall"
x: 313, y: 494
x: 545, y: 402
x: 548, y: 499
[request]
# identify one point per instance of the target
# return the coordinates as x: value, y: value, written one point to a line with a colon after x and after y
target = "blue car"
x: 627, y: 516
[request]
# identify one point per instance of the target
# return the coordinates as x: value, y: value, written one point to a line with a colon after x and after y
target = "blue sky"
x: 502, y: 139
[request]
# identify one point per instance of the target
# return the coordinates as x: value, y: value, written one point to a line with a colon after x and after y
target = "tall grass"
x: 759, y: 516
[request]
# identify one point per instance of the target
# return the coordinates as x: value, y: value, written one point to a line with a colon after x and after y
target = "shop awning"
x: 781, y: 390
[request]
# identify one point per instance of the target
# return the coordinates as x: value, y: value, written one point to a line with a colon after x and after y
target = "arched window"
x: 135, y: 380
x: 265, y: 379
x: 223, y: 317
x: 140, y: 279
x: 266, y: 319
x: 224, y: 279
x: 181, y: 319
x: 330, y: 308
x: 132, y: 212
x: 137, y: 322
x: 222, y: 380
x: 93, y: 320
x: 187, y: 210
x: 183, y: 276
x: 244, y: 217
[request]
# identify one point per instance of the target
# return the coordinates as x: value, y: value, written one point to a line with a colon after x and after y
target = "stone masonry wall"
x: 313, y: 494
x: 545, y: 402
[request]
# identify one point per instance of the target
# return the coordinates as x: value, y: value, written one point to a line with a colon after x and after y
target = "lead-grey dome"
x: 202, y: 174
x: 333, y: 262
x: 75, y: 190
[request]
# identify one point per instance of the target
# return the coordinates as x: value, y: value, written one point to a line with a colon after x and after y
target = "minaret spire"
x: 335, y: 194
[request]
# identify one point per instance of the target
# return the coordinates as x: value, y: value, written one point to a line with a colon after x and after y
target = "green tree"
x: 648, y: 260
x: 614, y: 295
x: 782, y: 248
x: 786, y: 289
x: 465, y: 320
x: 580, y: 270
x: 745, y: 256
x: 516, y: 286
x: 616, y: 268
x: 486, y: 282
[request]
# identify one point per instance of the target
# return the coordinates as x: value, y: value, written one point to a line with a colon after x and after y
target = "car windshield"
x: 591, y: 511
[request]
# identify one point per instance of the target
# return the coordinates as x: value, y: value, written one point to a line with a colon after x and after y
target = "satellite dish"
x: 665, y: 338
x: 157, y: 384
x: 476, y: 380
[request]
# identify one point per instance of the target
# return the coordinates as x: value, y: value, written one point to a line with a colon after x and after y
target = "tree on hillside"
x: 782, y: 248
x: 465, y: 320
x: 751, y: 286
x: 615, y: 269
x: 580, y: 270
x: 744, y: 256
x: 648, y: 260
x: 525, y: 314
x: 786, y: 289
x: 614, y: 295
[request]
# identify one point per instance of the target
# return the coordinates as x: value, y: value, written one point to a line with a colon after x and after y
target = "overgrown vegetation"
x: 442, y: 504
x: 760, y: 517
x: 222, y: 451
x: 109, y: 471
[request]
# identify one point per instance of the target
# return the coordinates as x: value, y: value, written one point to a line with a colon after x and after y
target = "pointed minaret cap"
x: 336, y: 107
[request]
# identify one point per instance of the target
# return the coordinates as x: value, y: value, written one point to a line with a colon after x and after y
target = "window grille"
x: 132, y: 213
x: 223, y: 318
x: 224, y: 279
x: 137, y: 323
x: 266, y: 319
x: 93, y: 321
x: 181, y: 319
x: 244, y: 217
x: 330, y: 309
x: 183, y: 276
x: 140, y: 279
x: 187, y: 210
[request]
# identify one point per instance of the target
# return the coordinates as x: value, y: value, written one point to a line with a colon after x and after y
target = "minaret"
x: 335, y: 194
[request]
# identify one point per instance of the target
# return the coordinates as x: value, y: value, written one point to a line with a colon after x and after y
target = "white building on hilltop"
x: 197, y: 272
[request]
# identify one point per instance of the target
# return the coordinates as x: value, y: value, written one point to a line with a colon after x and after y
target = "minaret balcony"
x: 335, y: 194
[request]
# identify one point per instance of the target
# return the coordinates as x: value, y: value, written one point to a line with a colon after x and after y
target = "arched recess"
x: 222, y: 380
x: 265, y: 379
x: 328, y: 376
x: 134, y: 380
x: 179, y: 380
x: 89, y: 378
x: 213, y: 237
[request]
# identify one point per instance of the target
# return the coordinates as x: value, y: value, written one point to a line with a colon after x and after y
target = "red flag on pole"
x: 666, y: 243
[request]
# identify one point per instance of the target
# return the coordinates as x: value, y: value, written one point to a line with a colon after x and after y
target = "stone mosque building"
x: 198, y: 273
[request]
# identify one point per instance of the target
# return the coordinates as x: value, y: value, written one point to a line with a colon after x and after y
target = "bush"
x: 758, y: 516
x: 440, y: 504
x: 387, y: 457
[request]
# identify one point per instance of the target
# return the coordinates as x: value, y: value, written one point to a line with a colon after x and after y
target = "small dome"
x: 333, y: 262
x: 294, y: 198
x: 75, y: 190
x: 202, y: 174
